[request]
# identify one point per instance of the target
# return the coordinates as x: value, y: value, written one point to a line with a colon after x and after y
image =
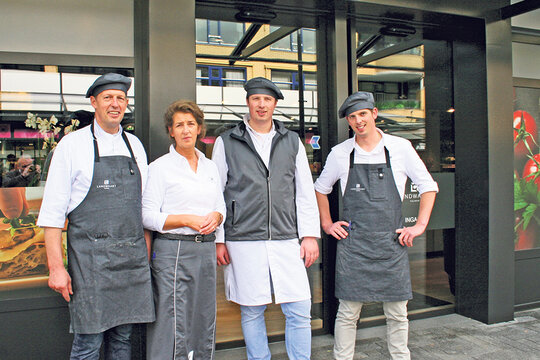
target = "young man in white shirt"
x: 270, y: 206
x: 372, y: 262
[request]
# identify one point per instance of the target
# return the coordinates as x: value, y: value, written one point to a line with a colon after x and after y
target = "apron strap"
x: 124, y: 137
x: 386, y: 156
x: 96, y: 150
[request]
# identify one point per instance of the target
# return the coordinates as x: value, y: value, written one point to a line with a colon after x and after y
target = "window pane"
x: 308, y: 39
x: 213, y: 32
x: 231, y: 32
x: 282, y: 44
x: 201, y: 29
x: 283, y: 79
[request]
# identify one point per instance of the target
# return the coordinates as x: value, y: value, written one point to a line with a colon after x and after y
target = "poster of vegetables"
x: 526, y: 168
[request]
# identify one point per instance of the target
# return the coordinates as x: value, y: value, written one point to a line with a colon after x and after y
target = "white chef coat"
x: 174, y: 188
x: 258, y: 267
x: 404, y: 160
x: 72, y: 168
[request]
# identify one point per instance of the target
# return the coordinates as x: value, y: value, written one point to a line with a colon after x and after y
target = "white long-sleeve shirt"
x: 72, y: 168
x: 257, y: 267
x: 174, y: 188
x: 404, y: 160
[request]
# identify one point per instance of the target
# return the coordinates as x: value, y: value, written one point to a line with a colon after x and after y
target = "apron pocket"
x: 376, y: 245
x: 377, y: 184
x: 120, y: 254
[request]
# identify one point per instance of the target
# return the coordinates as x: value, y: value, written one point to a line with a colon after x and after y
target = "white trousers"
x: 397, y: 329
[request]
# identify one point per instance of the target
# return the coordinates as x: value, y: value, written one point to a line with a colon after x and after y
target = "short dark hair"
x: 186, y: 107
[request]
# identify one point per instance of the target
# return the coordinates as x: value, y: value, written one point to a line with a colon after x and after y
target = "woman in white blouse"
x: 183, y: 204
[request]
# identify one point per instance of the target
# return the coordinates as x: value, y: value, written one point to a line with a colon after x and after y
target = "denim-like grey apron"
x: 371, y: 265
x: 107, y: 257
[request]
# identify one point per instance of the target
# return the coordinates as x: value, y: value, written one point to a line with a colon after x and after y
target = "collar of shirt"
x: 173, y: 152
x: 379, y: 148
x: 100, y: 133
x: 261, y: 141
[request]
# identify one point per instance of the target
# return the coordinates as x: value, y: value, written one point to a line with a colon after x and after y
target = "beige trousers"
x: 397, y: 329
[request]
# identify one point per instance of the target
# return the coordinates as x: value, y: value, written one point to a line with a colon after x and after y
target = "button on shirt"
x: 72, y: 168
x: 258, y: 267
x: 404, y: 160
x: 174, y: 188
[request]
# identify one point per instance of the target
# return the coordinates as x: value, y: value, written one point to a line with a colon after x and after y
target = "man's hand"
x: 309, y: 250
x: 60, y: 281
x: 407, y: 234
x: 336, y: 229
x: 222, y: 254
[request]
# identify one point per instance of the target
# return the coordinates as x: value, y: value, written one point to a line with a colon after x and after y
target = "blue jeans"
x: 297, y: 330
x: 117, y: 344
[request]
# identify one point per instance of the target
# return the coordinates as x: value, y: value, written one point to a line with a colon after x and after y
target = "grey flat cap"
x: 357, y: 101
x: 107, y: 82
x: 260, y: 85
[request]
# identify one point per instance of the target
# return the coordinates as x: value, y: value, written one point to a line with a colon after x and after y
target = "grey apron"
x: 107, y: 256
x: 184, y: 279
x: 371, y: 265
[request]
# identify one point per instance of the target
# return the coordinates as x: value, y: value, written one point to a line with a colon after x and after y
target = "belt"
x: 189, y: 237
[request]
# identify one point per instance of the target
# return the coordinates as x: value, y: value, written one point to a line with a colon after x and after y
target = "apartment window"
x: 218, y: 32
x: 290, y: 42
x: 220, y: 76
x: 288, y: 80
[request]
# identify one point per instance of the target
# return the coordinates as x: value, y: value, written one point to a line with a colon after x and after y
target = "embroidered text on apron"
x: 107, y: 256
x: 371, y: 265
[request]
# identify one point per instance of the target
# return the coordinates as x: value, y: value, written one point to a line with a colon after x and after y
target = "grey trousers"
x: 184, y: 282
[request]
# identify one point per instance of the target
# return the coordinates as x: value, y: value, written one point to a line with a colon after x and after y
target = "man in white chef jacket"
x: 271, y: 205
x: 95, y: 180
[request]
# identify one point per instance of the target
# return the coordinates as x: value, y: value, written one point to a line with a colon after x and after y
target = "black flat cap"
x: 260, y: 85
x: 357, y: 101
x: 107, y: 82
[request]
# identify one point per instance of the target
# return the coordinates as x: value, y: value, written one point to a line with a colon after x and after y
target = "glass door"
x: 222, y: 71
x: 395, y: 64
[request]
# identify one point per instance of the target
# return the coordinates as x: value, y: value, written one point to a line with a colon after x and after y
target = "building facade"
x: 448, y: 76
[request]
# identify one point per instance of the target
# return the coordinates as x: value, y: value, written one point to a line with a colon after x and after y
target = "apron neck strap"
x: 386, y: 156
x: 96, y: 149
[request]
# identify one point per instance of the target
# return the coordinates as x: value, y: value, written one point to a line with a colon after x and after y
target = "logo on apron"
x: 106, y: 185
x: 358, y: 187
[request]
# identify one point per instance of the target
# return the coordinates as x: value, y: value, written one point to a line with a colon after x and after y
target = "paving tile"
x: 449, y: 337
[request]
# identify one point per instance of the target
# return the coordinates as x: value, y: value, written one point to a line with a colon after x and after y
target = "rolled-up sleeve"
x: 57, y: 193
x: 153, y: 218
x: 418, y: 173
x: 329, y: 175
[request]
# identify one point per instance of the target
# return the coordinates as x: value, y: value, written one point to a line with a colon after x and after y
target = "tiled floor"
x: 449, y: 337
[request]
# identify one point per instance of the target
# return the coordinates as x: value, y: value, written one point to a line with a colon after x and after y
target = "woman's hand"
x: 210, y: 223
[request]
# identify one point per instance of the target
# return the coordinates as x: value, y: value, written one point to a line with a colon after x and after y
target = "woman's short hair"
x: 186, y: 107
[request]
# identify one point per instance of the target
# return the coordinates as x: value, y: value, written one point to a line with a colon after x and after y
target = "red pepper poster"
x: 526, y: 169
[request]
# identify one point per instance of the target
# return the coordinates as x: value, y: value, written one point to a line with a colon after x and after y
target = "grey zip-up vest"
x: 260, y: 201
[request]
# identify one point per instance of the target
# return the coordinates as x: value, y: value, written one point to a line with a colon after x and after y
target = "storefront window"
x: 526, y: 168
x: 38, y: 106
x: 223, y: 100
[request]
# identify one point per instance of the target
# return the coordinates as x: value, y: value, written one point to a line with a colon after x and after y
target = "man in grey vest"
x: 95, y: 180
x: 371, y: 260
x: 271, y: 204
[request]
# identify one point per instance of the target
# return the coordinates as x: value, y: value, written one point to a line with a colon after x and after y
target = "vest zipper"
x: 269, y: 208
